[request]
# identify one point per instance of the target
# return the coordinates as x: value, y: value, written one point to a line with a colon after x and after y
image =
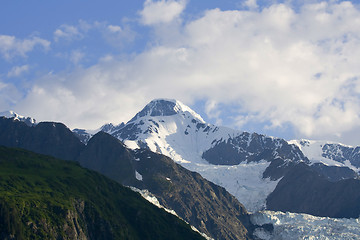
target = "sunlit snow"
x: 138, y: 176
x: 244, y: 181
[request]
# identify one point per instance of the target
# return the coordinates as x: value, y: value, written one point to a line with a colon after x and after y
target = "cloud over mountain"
x: 275, y: 65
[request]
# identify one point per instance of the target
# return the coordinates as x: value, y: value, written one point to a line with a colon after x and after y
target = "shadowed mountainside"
x: 45, y: 198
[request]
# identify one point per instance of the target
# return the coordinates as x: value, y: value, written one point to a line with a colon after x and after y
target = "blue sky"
x: 284, y: 68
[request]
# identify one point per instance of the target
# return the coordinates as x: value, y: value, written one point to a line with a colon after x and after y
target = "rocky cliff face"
x: 303, y: 190
x: 50, y: 138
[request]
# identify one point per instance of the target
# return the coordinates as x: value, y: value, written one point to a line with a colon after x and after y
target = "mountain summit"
x: 165, y: 107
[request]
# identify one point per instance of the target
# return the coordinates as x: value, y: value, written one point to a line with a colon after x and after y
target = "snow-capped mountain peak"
x: 165, y: 107
x: 11, y: 114
x: 330, y: 153
x: 231, y: 158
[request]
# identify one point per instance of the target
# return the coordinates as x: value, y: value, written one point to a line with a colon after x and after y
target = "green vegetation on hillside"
x: 45, y: 198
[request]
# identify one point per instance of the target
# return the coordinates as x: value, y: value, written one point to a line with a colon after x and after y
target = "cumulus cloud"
x: 212, y: 111
x: 73, y: 32
x: 114, y: 28
x: 10, y: 46
x: 114, y: 35
x: 163, y: 11
x: 76, y: 56
x: 277, y: 65
x: 251, y: 4
x: 67, y: 32
x: 117, y: 35
x: 18, y: 70
x: 9, y: 96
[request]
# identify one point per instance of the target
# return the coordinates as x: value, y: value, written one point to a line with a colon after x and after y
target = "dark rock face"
x: 334, y: 173
x: 342, y: 153
x: 303, y: 190
x: 110, y: 157
x: 254, y: 147
x: 278, y: 168
x: 203, y: 204
x: 49, y: 138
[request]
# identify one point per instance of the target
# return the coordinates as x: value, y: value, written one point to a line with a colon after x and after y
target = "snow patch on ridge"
x: 314, y: 151
x: 12, y: 114
x: 138, y: 176
x: 151, y: 198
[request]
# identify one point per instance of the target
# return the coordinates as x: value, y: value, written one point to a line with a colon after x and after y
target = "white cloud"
x: 9, y: 96
x: 277, y: 65
x: 251, y: 4
x: 114, y: 28
x: 163, y: 11
x: 212, y: 111
x: 73, y: 32
x: 18, y: 71
x: 10, y: 46
x: 68, y: 33
x: 116, y: 35
x: 76, y: 56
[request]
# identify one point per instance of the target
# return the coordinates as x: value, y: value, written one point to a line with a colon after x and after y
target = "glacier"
x: 296, y: 226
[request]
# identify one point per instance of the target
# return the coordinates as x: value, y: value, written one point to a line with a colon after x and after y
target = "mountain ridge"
x: 46, y: 198
x: 105, y: 156
x: 223, y: 155
x: 248, y: 165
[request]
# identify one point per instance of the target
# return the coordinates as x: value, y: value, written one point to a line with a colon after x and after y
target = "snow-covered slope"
x: 173, y: 129
x: 294, y: 226
x: 11, y: 114
x: 330, y: 153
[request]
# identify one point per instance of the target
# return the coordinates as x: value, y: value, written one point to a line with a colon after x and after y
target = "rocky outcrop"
x: 49, y: 138
x: 303, y: 190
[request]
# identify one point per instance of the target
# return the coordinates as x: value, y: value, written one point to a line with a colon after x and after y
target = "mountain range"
x: 169, y: 150
x: 206, y: 206
x: 248, y: 165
